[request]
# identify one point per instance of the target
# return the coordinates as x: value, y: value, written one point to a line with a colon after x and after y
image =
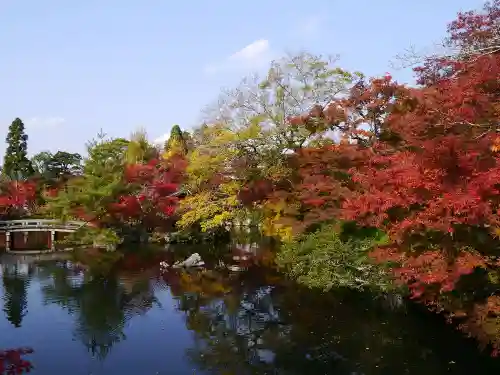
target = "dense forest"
x: 366, y: 182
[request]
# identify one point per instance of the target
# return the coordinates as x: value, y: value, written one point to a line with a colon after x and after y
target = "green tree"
x: 58, y: 167
x: 176, y: 143
x: 16, y: 162
x: 89, y: 195
x: 99, y: 184
x: 39, y: 162
x: 336, y: 256
x: 139, y: 150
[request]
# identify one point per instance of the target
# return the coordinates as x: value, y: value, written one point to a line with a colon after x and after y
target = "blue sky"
x: 70, y: 68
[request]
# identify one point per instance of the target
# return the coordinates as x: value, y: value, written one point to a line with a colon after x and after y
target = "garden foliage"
x: 311, y: 150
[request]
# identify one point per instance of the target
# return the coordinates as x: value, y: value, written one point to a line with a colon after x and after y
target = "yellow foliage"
x: 496, y: 232
x: 212, y: 205
x: 271, y: 227
x: 208, y: 209
x: 168, y: 154
x: 197, y: 283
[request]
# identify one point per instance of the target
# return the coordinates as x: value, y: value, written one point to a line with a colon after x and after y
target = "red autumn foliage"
x: 324, y: 181
x: 153, y: 198
x: 360, y: 116
x: 83, y: 215
x: 127, y: 207
x: 439, y: 183
x: 11, y: 361
x: 51, y: 192
x: 442, y: 173
x: 255, y: 191
x: 140, y: 173
x: 422, y: 164
x: 473, y: 33
x: 16, y: 195
x: 433, y: 269
x: 147, y: 195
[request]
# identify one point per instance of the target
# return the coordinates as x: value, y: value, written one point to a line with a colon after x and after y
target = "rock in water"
x: 193, y: 261
x: 235, y: 268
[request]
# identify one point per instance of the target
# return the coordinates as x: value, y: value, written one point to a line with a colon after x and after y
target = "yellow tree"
x: 253, y: 137
x: 176, y: 143
x: 139, y: 150
x: 213, y: 181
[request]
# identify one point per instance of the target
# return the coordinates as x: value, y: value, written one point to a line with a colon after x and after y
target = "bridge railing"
x: 39, y: 223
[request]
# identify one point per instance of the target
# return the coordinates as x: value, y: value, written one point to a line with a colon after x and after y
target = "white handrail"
x: 39, y: 223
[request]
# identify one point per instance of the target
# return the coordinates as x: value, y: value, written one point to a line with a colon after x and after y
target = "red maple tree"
x: 422, y: 164
x: 436, y: 189
x: 16, y: 196
x: 11, y: 361
x: 152, y: 197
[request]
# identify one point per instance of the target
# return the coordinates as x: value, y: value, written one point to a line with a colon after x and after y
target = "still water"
x: 140, y: 322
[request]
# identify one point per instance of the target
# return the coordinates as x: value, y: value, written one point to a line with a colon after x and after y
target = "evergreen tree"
x: 16, y: 163
x: 15, y: 299
x: 176, y: 143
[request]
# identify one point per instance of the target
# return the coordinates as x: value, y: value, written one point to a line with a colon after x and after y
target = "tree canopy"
x: 16, y: 163
x: 366, y: 182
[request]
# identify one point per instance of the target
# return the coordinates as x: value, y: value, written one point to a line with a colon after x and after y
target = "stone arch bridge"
x: 34, y: 235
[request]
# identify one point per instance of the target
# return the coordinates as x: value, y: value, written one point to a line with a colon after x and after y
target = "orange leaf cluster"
x: 420, y: 163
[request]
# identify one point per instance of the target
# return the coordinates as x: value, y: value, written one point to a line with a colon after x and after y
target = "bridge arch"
x: 12, y: 229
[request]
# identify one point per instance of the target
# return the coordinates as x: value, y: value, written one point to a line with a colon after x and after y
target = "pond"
x: 139, y: 321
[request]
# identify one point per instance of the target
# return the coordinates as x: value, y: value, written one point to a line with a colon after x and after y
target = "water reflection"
x: 101, y: 306
x: 248, y: 322
x: 15, y: 282
x: 255, y: 328
x: 257, y: 322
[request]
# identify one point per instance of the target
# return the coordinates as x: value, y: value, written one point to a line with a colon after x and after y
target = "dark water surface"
x: 139, y: 322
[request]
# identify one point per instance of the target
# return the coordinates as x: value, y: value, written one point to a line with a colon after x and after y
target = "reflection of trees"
x: 102, y: 306
x: 244, y: 324
x: 236, y: 337
x: 242, y: 329
x: 15, y: 288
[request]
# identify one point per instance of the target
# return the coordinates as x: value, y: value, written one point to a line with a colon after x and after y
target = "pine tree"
x: 16, y: 163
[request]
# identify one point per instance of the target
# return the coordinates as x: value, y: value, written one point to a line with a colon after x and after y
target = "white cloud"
x: 253, y: 56
x: 161, y: 140
x: 254, y: 51
x: 45, y: 122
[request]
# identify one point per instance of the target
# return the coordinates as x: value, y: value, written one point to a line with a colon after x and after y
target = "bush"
x: 328, y: 259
